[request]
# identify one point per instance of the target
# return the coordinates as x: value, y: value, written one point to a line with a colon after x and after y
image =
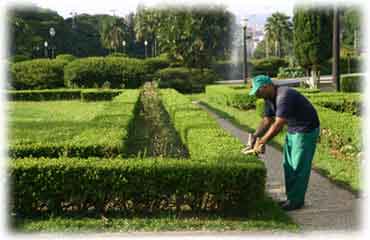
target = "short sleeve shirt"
x: 289, y: 104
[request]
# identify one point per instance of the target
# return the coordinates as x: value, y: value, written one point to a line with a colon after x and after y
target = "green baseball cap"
x: 258, y: 82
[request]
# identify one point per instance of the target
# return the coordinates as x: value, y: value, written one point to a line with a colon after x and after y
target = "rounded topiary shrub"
x: 66, y: 57
x: 351, y: 83
x: 96, y: 71
x: 37, y: 74
x: 185, y: 80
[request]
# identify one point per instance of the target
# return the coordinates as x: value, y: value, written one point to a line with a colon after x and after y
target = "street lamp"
x: 245, y: 65
x: 146, y: 44
x: 46, y: 49
x: 52, y: 34
x: 124, y: 46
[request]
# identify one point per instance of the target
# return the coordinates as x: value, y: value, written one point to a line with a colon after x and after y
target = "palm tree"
x: 278, y: 28
x: 113, y: 33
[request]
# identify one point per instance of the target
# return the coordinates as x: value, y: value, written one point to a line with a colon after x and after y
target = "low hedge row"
x: 185, y: 80
x: 37, y: 74
x: 99, y: 95
x: 104, y: 135
x: 231, y: 97
x: 133, y: 185
x: 62, y: 94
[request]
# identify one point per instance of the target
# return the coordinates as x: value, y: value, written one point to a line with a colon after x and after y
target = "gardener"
x: 284, y: 105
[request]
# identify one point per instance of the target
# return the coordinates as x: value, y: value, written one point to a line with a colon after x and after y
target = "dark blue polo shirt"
x: 301, y: 116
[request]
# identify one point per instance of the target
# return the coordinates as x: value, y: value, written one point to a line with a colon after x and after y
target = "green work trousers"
x: 299, y: 150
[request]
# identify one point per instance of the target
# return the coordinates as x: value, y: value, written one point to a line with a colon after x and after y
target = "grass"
x: 268, y: 217
x: 342, y: 171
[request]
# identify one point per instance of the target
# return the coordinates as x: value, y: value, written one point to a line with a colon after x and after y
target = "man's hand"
x: 259, y: 146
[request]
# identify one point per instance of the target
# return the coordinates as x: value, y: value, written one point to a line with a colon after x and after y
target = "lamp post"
x: 52, y: 34
x: 245, y: 65
x: 146, y: 44
x: 124, y: 46
x: 46, y: 49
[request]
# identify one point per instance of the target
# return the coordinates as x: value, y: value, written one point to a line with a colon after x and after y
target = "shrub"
x: 94, y: 71
x: 185, y: 80
x: 66, y: 57
x: 44, y: 95
x: 290, y: 72
x: 99, y: 95
x: 355, y: 66
x: 230, y: 97
x: 118, y: 54
x: 351, y: 83
x: 37, y: 74
x: 134, y: 185
x: 268, y: 66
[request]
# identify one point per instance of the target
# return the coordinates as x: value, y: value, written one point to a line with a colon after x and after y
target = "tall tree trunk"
x: 336, y: 49
x: 315, y: 77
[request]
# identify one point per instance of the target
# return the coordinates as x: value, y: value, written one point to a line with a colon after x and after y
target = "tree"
x: 312, y: 38
x: 113, y: 33
x: 278, y: 29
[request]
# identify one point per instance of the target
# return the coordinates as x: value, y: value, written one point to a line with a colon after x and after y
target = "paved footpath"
x: 327, y: 206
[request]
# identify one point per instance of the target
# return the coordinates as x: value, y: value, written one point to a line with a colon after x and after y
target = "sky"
x: 253, y: 10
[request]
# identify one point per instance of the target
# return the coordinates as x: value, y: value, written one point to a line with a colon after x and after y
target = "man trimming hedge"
x: 284, y: 105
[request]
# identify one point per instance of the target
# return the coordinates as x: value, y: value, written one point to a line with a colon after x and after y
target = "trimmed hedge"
x: 99, y: 95
x: 66, y: 57
x: 352, y: 83
x: 37, y: 74
x: 44, y: 95
x: 63, y: 94
x: 185, y: 80
x: 134, y: 185
x: 230, y: 97
x: 96, y: 71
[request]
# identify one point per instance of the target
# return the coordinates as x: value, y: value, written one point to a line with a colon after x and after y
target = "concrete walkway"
x: 327, y: 206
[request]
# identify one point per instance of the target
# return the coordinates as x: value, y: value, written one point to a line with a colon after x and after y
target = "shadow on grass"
x: 266, y: 216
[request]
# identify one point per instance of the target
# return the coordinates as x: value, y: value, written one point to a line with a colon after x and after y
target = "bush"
x: 351, y: 83
x: 268, y: 66
x: 95, y: 71
x: 99, y: 95
x: 152, y: 65
x: 118, y: 54
x: 37, y: 74
x: 185, y: 80
x: 44, y: 95
x: 290, y: 72
x: 66, y: 57
x: 133, y: 185
x: 230, y: 97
